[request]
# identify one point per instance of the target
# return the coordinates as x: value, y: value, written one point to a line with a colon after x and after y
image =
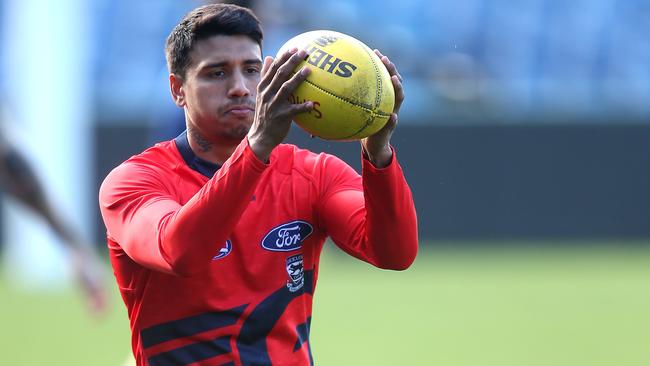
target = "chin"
x: 237, y: 133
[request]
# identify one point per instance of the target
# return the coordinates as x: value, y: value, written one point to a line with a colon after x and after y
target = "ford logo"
x: 287, y: 237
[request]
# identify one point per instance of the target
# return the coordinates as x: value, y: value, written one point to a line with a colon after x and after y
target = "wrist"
x: 260, y: 148
x: 380, y: 158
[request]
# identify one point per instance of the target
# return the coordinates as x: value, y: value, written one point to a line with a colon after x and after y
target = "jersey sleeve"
x: 371, y: 217
x: 156, y: 231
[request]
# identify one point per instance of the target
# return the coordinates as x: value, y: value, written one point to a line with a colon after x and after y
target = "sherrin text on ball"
x: 349, y: 85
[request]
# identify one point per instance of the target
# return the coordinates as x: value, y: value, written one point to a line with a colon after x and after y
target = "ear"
x: 176, y: 88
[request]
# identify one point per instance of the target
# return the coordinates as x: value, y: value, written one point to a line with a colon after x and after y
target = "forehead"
x: 223, y: 48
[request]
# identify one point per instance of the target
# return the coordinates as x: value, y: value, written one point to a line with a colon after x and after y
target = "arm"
x: 156, y: 231
x: 21, y: 183
x: 377, y: 147
x: 377, y: 223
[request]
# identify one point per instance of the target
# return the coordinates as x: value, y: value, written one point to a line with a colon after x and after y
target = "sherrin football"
x: 350, y: 87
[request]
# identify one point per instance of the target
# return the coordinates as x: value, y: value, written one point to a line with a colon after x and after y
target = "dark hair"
x: 204, y: 22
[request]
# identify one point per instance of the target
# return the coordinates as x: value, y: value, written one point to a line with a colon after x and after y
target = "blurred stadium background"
x: 525, y: 137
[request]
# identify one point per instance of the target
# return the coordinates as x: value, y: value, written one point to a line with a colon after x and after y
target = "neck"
x: 208, y: 149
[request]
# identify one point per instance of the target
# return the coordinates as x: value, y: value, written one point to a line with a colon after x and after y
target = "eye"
x: 217, y: 73
x: 252, y: 70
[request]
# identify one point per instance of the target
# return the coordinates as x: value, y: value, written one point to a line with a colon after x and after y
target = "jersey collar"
x: 202, y: 166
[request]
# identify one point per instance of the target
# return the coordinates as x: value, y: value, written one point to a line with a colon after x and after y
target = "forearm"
x: 377, y: 224
x: 391, y: 220
x: 21, y: 182
x: 155, y: 230
x: 199, y: 229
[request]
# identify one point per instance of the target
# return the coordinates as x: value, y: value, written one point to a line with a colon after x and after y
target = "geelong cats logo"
x: 296, y: 273
x: 287, y: 237
x: 224, y: 251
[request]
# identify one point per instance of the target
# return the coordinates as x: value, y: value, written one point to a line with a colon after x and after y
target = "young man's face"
x: 220, y: 86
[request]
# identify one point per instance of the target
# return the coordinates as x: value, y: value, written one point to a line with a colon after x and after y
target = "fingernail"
x: 293, y: 50
x: 302, y: 53
x: 305, y: 71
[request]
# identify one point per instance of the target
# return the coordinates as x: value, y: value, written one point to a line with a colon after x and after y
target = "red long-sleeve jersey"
x: 217, y: 264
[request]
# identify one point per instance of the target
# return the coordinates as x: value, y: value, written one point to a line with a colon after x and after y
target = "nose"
x: 238, y: 87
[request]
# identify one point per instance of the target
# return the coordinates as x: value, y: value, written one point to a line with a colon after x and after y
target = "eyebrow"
x: 252, y: 61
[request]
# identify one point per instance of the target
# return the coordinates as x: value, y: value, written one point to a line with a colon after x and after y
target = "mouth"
x: 240, y: 110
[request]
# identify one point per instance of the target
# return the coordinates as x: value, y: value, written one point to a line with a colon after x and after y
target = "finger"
x: 300, y: 108
x: 285, y: 71
x: 382, y: 137
x: 392, y: 69
x: 290, y: 85
x: 389, y: 127
x: 273, y: 68
x: 268, y: 60
x: 399, y: 93
x: 392, y: 122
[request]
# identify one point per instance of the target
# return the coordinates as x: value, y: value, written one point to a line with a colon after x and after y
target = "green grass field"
x: 514, y: 306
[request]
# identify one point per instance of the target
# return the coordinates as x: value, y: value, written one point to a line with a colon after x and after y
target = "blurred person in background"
x: 19, y: 181
x: 215, y: 236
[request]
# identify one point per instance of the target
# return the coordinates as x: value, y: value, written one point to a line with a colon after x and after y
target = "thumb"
x: 391, y: 123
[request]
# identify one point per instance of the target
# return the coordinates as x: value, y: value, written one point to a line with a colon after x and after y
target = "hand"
x: 274, y: 111
x: 90, y: 275
x: 377, y: 146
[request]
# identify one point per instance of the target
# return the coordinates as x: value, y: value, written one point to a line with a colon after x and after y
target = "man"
x: 19, y: 181
x: 215, y: 236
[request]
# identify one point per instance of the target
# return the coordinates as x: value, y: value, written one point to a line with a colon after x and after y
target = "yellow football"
x: 351, y: 88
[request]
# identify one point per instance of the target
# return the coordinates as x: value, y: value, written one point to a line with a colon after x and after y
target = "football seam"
x: 370, y: 110
x: 377, y: 77
x: 369, y: 121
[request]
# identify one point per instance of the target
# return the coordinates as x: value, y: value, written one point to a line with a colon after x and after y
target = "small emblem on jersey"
x: 287, y: 237
x: 224, y: 251
x: 296, y: 273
